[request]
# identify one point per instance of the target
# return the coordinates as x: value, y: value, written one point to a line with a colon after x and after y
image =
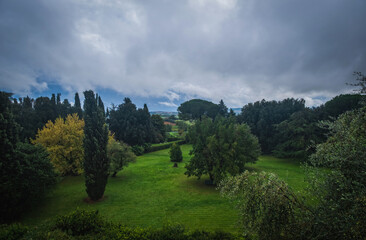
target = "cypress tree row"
x: 96, y: 163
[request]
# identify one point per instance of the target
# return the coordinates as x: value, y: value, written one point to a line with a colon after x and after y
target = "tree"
x: 220, y: 147
x: 296, y: 137
x: 223, y: 110
x: 96, y: 162
x: 196, y: 108
x: 266, y: 204
x: 77, y: 106
x: 340, y: 104
x: 63, y: 139
x: 159, y: 127
x: 25, y: 170
x: 130, y: 125
x: 26, y: 182
x: 175, y: 153
x: 119, y: 154
x: 361, y: 82
x: 341, y: 190
x: 262, y: 116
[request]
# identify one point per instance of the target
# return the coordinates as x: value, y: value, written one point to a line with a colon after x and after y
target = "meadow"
x: 151, y: 193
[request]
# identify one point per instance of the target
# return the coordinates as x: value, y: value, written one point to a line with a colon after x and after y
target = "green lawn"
x: 152, y: 193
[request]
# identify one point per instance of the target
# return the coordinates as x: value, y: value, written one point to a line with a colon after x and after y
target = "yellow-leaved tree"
x: 63, y: 139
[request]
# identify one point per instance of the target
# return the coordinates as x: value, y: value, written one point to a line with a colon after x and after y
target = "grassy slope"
x: 151, y: 193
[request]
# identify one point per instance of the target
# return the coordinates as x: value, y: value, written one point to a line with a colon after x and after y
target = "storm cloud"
x: 239, y: 51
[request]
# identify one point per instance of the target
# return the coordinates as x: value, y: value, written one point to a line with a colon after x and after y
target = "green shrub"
x: 175, y: 153
x: 138, y: 150
x: 80, y: 222
x: 26, y: 182
x: 120, y: 155
x: 14, y: 231
x: 168, y: 232
x: 88, y: 225
x: 265, y: 203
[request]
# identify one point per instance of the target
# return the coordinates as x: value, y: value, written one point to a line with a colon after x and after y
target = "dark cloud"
x: 239, y: 51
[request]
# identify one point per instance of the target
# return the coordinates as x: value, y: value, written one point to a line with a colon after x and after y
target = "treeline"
x: 32, y: 114
x: 135, y: 126
x: 289, y: 129
x: 284, y: 128
x: 129, y: 124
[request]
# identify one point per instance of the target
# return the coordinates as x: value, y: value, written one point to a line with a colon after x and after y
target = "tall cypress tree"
x: 77, y: 106
x: 96, y: 163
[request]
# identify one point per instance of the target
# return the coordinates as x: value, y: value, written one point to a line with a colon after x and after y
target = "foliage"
x: 340, y: 104
x: 119, y: 154
x: 63, y: 139
x: 341, y: 190
x: 296, y: 136
x: 12, y: 232
x: 361, y: 82
x: 138, y: 150
x: 81, y: 224
x: 9, y: 129
x: 96, y: 162
x: 223, y: 110
x: 265, y: 203
x: 25, y: 180
x: 220, y: 147
x: 175, y: 153
x: 262, y: 116
x: 196, y: 108
x: 161, y: 146
x: 32, y: 114
x: 25, y: 170
x: 77, y: 106
x: 159, y: 127
x: 132, y: 126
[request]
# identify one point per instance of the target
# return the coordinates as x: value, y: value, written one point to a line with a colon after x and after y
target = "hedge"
x: 163, y: 146
x: 82, y: 224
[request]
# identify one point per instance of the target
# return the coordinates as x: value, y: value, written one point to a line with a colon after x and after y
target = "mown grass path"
x: 151, y: 193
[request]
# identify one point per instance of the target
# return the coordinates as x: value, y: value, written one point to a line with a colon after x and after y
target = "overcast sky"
x: 166, y: 52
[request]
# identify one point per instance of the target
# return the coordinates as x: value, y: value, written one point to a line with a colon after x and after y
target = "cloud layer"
x: 239, y: 51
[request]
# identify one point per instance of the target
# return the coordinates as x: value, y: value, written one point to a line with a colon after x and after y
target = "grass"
x: 287, y: 169
x: 151, y: 193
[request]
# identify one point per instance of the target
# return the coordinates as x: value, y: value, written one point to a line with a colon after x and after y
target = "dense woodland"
x: 46, y: 138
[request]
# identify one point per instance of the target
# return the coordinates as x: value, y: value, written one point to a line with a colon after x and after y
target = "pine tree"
x: 223, y: 109
x: 96, y: 163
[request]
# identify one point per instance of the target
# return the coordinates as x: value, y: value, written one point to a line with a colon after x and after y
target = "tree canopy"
x: 220, y: 147
x: 63, y: 139
x: 196, y: 108
x: 133, y: 126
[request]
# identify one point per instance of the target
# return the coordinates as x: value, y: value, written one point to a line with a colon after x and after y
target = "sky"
x: 164, y: 52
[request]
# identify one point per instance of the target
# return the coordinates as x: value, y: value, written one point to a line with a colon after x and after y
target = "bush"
x: 138, y: 150
x: 12, y: 232
x: 80, y: 222
x: 175, y: 153
x: 341, y: 190
x: 266, y: 205
x: 165, y: 145
x: 119, y: 154
x: 29, y: 179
